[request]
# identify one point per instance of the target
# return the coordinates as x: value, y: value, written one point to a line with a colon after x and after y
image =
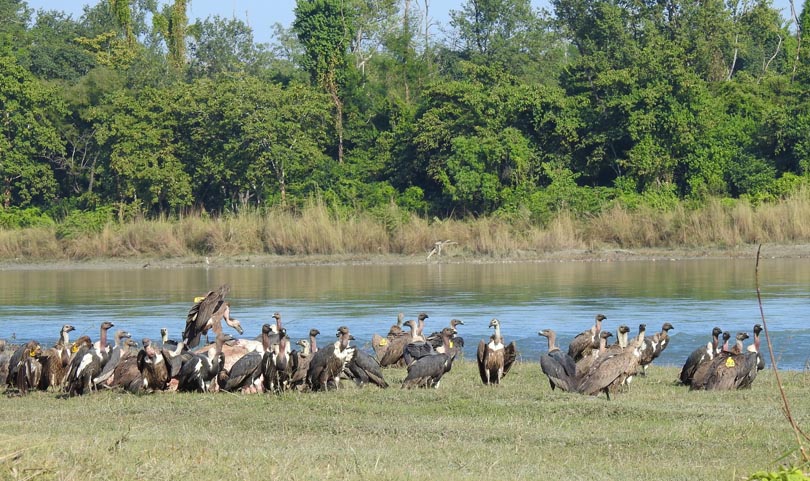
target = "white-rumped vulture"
x: 699, y: 356
x: 586, y: 341
x: 558, y: 366
x: 494, y: 358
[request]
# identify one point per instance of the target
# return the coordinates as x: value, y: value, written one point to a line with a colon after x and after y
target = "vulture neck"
x: 64, y: 339
x: 103, y: 339
x: 313, y: 345
x: 715, y: 342
x: 622, y: 339
x: 738, y: 347
x: 552, y: 337
x: 498, y: 339
x: 602, y: 344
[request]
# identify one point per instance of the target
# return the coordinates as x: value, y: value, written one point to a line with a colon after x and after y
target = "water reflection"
x: 694, y: 295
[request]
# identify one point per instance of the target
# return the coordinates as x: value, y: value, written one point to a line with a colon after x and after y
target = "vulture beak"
x: 351, y: 338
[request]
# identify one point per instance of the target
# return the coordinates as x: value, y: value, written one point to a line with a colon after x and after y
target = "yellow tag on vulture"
x: 730, y: 362
x: 198, y: 299
x: 74, y: 348
x: 33, y: 353
x: 451, y: 343
x: 383, y: 342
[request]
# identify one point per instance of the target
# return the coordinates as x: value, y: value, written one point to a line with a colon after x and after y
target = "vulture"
x: 327, y: 364
x: 610, y: 371
x: 29, y: 370
x: 246, y: 371
x: 126, y: 375
x: 586, y: 341
x: 199, y: 372
x: 436, y: 341
x: 733, y: 371
x: 299, y: 377
x: 158, y: 367
x: 55, y: 360
x: 380, y: 344
x: 119, y: 350
x: 699, y: 356
x: 705, y: 370
x: 396, y: 346
x: 653, y: 346
x: 558, y: 366
x: 584, y: 364
x: 418, y: 347
x: 88, y: 362
x: 170, y: 344
x: 428, y: 371
x: 313, y: 343
x: 208, y: 313
x: 364, y: 368
x: 495, y: 359
x: 4, y: 360
x: 754, y: 347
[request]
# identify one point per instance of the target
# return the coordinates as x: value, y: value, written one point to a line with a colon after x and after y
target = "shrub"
x: 78, y: 222
x: 15, y: 218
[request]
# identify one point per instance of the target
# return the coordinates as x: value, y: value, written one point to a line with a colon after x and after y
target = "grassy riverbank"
x: 718, y: 226
x: 463, y: 430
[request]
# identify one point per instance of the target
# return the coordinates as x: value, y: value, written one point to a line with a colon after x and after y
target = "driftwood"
x: 438, y: 246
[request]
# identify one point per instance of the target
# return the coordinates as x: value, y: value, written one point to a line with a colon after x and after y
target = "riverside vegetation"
x: 463, y: 430
x: 318, y: 230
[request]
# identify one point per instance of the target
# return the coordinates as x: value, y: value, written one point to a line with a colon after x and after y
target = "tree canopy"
x: 362, y: 103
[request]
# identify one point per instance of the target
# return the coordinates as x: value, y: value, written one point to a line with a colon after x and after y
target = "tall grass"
x: 462, y: 430
x: 315, y: 230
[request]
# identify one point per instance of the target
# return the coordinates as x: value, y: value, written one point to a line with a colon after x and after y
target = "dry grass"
x: 317, y: 231
x: 463, y: 430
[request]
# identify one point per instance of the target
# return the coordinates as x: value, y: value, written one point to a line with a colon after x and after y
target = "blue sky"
x: 262, y: 14
x: 259, y: 14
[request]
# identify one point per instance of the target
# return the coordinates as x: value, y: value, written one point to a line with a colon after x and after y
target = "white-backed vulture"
x: 610, y: 371
x: 558, y: 366
x: 208, y: 313
x: 733, y: 371
x: 118, y: 351
x: 380, y: 344
x: 88, y: 362
x: 428, y: 371
x: 494, y: 358
x: 29, y: 371
x: 327, y: 364
x: 700, y: 355
x: 586, y: 341
x: 245, y: 374
x: 55, y: 360
x: 198, y: 373
x: 435, y: 339
x: 653, y: 346
x: 396, y: 346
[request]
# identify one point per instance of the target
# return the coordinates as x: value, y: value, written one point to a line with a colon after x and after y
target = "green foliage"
x: 79, y: 223
x: 15, y: 218
x: 28, y: 137
x: 783, y: 474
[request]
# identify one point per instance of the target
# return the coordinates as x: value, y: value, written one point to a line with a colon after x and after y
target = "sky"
x: 262, y: 14
x: 259, y: 14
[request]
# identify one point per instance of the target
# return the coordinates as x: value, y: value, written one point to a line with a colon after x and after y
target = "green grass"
x: 463, y: 430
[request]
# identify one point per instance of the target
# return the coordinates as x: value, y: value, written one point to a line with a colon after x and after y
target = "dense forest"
x: 131, y: 110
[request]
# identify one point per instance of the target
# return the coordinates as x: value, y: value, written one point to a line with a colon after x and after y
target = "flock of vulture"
x: 269, y: 364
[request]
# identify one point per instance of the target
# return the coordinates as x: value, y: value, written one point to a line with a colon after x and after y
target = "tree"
x: 143, y: 171
x: 224, y: 45
x: 27, y: 136
x: 325, y: 29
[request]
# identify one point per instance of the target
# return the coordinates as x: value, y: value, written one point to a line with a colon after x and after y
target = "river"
x: 693, y: 295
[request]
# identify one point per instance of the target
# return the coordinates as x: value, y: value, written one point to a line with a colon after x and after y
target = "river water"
x: 693, y: 295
